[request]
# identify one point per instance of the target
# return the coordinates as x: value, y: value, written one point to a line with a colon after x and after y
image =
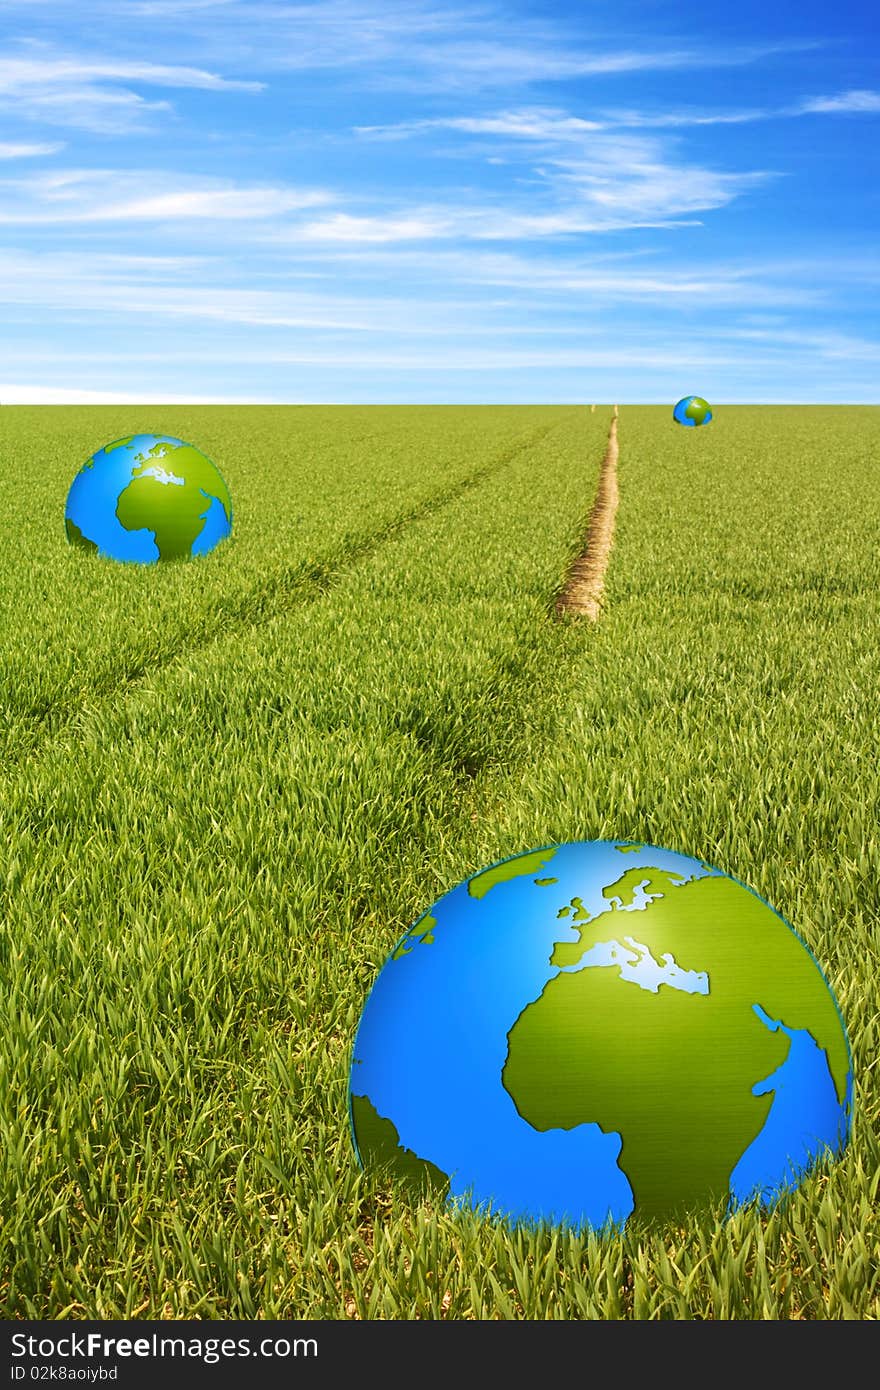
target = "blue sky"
x: 409, y: 200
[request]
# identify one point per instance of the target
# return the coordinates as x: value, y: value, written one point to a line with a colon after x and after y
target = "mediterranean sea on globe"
x: 692, y: 410
x: 148, y: 497
x: 595, y: 1029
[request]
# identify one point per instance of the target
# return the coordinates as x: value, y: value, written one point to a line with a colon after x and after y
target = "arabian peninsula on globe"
x: 148, y: 497
x: 595, y: 1029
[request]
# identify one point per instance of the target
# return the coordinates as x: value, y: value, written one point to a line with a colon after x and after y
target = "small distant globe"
x: 597, y: 1029
x: 692, y: 410
x: 148, y: 497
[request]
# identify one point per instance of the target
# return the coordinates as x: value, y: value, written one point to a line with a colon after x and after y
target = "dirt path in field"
x: 582, y: 594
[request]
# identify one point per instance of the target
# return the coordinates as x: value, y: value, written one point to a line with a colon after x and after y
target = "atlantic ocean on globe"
x: 148, y: 497
x: 597, y: 1029
x: 692, y: 411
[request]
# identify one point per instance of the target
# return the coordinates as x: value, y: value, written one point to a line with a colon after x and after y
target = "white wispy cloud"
x: 650, y: 353
x: 180, y: 290
x: 362, y: 230
x: 472, y: 223
x: 100, y: 111
x: 79, y: 196
x: 529, y: 123
x: 11, y: 150
x: 854, y: 102
x: 68, y: 283
x: 90, y: 94
x: 547, y: 124
x: 593, y: 280
x: 632, y: 177
x: 857, y: 102
x: 217, y: 204
x: 406, y: 44
x: 25, y: 72
x: 622, y: 181
x: 679, y: 120
x: 28, y: 393
x: 602, y: 181
x: 489, y: 63
x: 553, y: 282
x: 829, y: 344
x: 176, y: 9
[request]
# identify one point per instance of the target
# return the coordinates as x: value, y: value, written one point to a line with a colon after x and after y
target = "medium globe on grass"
x: 597, y: 1029
x: 692, y: 410
x: 148, y: 497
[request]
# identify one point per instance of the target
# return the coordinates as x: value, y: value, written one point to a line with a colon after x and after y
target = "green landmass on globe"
x: 697, y: 409
x: 76, y: 537
x: 663, y: 1094
x: 380, y: 1147
x: 511, y: 868
x: 173, y: 510
x: 423, y: 932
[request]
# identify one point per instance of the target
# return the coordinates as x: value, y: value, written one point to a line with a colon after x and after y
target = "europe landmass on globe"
x: 594, y: 1029
x: 146, y: 498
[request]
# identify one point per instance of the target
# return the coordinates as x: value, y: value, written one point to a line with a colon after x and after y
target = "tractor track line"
x: 582, y: 594
x: 280, y: 594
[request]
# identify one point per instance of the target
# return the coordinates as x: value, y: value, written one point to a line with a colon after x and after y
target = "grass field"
x: 229, y: 786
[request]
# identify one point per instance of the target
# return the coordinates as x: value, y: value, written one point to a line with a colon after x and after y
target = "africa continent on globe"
x: 148, y: 497
x: 595, y: 1029
x: 692, y: 410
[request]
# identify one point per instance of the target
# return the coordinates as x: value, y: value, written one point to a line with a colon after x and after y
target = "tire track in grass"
x: 321, y: 575
x: 584, y: 588
x: 280, y: 593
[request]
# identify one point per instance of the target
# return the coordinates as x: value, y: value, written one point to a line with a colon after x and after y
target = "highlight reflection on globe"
x: 600, y: 1028
x: 146, y: 498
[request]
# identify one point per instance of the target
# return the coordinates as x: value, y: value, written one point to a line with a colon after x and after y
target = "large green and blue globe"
x: 692, y: 410
x: 148, y: 497
x: 598, y: 1029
